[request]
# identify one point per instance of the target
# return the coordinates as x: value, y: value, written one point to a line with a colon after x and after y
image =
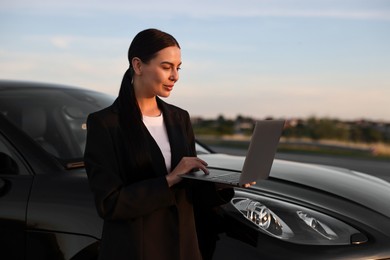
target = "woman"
x: 135, y: 153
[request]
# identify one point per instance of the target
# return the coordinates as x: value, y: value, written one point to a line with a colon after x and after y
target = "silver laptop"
x: 258, y: 161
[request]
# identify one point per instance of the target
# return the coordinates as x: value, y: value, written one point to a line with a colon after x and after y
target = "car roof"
x: 5, y: 84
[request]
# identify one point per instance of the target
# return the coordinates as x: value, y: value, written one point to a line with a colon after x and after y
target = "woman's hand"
x: 185, y: 165
x: 221, y: 186
x: 247, y: 185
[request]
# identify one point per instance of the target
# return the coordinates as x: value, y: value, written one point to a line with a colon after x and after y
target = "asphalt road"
x: 378, y: 168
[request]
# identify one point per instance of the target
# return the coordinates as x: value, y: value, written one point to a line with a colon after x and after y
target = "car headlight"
x: 263, y: 217
x: 317, y: 225
x: 294, y: 223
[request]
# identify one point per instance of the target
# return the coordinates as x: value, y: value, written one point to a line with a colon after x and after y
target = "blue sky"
x: 280, y: 58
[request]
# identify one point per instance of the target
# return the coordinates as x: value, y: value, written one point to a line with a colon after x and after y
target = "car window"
x: 55, y: 118
x: 9, y: 161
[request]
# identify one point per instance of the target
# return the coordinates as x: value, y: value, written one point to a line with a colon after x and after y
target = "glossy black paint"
x: 295, y: 183
x: 47, y: 210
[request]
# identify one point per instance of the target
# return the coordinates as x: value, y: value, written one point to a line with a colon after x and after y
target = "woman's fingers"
x: 201, y: 165
x: 201, y: 161
x: 195, y: 163
x: 186, y: 165
x: 204, y: 169
x: 247, y: 185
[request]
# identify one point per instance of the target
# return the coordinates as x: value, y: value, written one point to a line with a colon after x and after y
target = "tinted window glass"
x: 54, y: 117
x: 9, y: 163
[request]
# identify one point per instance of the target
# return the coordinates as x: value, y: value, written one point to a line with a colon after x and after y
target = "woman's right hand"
x: 185, y: 165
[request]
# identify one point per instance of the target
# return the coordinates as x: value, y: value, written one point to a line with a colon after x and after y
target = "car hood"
x: 362, y: 188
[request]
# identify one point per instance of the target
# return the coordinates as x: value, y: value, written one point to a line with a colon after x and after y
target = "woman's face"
x: 159, y: 75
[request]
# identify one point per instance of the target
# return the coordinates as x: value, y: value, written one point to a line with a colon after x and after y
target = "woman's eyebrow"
x: 170, y: 63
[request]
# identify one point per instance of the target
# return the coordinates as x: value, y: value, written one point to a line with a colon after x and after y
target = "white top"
x: 157, y: 129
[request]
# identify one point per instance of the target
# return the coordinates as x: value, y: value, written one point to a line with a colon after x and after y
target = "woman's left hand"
x: 247, y: 185
x: 221, y: 186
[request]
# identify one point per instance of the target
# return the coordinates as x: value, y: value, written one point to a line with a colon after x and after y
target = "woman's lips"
x: 168, y: 87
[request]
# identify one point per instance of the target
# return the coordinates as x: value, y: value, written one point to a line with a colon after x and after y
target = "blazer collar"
x: 173, y: 123
x: 160, y: 103
x: 115, y: 106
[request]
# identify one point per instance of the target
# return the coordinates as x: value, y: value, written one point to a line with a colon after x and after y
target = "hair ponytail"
x: 144, y: 46
x: 127, y: 100
x: 130, y: 120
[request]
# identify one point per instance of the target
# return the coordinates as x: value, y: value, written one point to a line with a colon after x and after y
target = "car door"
x: 15, y: 184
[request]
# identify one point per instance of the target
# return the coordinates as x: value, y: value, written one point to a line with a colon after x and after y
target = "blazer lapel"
x: 156, y: 155
x: 174, y: 123
x: 158, y: 162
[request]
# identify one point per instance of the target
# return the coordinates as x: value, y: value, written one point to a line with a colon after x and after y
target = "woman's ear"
x: 136, y: 63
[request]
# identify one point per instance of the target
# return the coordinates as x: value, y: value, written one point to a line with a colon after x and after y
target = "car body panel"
x: 13, y: 203
x: 341, y: 182
x: 47, y: 210
x: 310, y: 186
x: 70, y: 203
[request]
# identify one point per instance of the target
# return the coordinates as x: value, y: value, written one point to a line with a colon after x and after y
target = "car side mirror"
x: 8, y: 165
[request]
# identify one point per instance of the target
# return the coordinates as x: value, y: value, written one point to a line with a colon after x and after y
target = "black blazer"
x: 143, y: 217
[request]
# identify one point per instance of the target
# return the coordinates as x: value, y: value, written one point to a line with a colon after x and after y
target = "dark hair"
x: 144, y: 46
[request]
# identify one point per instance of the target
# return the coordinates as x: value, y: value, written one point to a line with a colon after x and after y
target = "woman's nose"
x: 174, y: 75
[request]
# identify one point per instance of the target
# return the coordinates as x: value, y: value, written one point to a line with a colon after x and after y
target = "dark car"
x: 47, y: 211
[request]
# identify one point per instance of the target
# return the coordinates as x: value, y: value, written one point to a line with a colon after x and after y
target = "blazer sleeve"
x: 115, y: 200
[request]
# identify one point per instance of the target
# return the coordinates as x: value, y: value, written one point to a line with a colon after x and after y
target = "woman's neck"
x: 148, y: 106
x: 147, y: 102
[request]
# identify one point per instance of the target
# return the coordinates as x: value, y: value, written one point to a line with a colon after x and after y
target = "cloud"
x: 226, y: 68
x: 61, y: 42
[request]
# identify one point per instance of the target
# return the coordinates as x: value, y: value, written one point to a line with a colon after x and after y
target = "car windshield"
x: 54, y: 117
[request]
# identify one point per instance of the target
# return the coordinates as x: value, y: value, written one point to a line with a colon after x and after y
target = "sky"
x: 255, y: 58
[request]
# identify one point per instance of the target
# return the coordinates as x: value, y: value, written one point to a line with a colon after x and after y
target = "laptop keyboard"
x: 229, y: 178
